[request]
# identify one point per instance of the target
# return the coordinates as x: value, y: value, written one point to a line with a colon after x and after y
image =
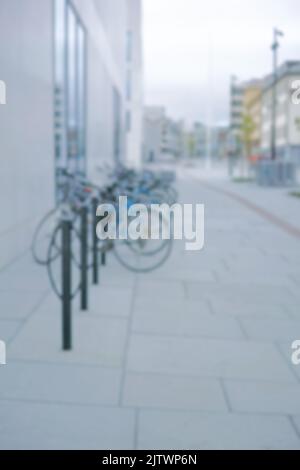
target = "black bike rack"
x: 95, y: 243
x: 67, y: 259
x: 103, y: 253
x: 84, y: 258
x: 66, y: 285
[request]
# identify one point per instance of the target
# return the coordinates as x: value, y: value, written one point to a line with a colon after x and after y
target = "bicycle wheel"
x: 54, y: 266
x: 137, y: 261
x: 42, y: 237
x: 149, y: 246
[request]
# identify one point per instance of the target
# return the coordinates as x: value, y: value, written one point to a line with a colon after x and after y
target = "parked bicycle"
x: 142, y: 255
x: 66, y: 237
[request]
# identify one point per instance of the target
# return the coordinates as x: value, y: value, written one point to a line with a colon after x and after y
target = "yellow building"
x: 252, y: 107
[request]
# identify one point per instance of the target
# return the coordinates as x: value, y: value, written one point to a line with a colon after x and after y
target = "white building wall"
x: 134, y: 65
x: 293, y: 117
x: 26, y: 121
x: 106, y: 71
x: 287, y: 130
x: 113, y: 15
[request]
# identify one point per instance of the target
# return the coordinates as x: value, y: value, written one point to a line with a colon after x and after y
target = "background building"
x: 287, y: 114
x: 163, y: 136
x: 246, y: 118
x: 199, y: 136
x: 66, y: 101
x: 172, y: 138
x: 154, y: 117
x: 200, y: 139
x: 236, y: 116
x: 253, y: 109
x: 219, y: 142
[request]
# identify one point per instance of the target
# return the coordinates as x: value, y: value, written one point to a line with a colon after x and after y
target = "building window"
x: 70, y: 89
x: 116, y: 125
x: 236, y: 115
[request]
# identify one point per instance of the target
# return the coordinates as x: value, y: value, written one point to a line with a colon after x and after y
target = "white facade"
x: 172, y: 138
x: 163, y: 136
x: 134, y: 84
x: 154, y: 117
x: 27, y: 140
x: 236, y: 115
x: 200, y: 139
x: 287, y: 114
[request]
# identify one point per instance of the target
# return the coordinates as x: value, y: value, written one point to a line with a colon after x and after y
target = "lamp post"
x: 274, y: 48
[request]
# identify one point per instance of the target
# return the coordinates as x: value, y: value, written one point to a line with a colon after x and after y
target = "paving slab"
x: 214, y: 431
x: 263, y: 397
x: 207, y: 357
x: 58, y: 383
x: 16, y: 306
x: 271, y: 329
x: 32, y: 426
x: 250, y: 307
x: 165, y: 391
x: 158, y: 288
x: 182, y: 322
x: 239, y: 291
x: 8, y: 329
x: 98, y: 341
x: 111, y: 301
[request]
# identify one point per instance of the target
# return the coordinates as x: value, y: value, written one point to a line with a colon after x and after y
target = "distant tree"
x: 247, y: 130
x: 191, y: 145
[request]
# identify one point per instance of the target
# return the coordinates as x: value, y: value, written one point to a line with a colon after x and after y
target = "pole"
x: 84, y: 258
x: 66, y: 286
x: 95, y: 243
x: 103, y: 258
x: 103, y: 253
x: 209, y: 104
x: 275, y: 47
x: 274, y: 98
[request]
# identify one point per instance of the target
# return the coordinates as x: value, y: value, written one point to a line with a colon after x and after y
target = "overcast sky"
x: 192, y: 47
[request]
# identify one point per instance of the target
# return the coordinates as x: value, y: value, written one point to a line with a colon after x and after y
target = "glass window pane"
x: 60, y: 86
x: 117, y: 125
x: 72, y: 91
x: 81, y: 97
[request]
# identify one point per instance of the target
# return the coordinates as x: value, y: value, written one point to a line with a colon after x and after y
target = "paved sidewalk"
x: 196, y: 355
